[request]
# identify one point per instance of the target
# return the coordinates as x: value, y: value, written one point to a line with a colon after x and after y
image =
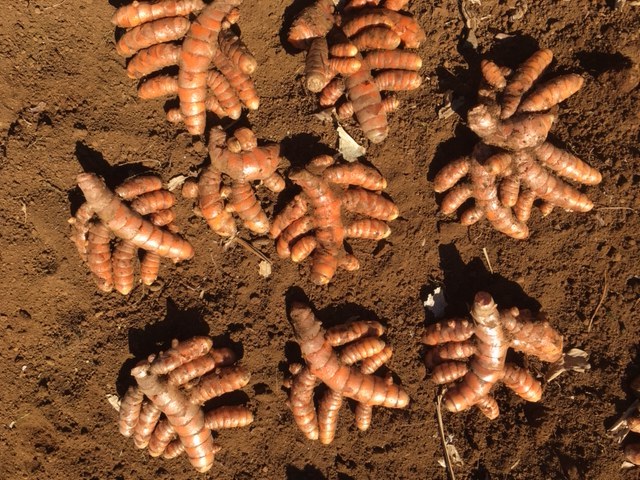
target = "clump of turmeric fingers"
x: 312, y: 224
x: 164, y: 413
x: 338, y: 371
x: 152, y: 30
x: 240, y: 159
x: 343, y: 51
x: 514, y: 165
x: 486, y: 340
x: 146, y: 223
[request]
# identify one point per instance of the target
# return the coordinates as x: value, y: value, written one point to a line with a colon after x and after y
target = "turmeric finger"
x: 368, y: 228
x: 318, y: 72
x: 398, y: 60
x: 294, y: 230
x: 550, y: 188
x: 348, y: 332
x: 509, y: 190
x: 240, y: 81
x: 148, y: 34
x: 153, y: 59
x: 330, y: 94
x: 136, y: 186
x: 162, y: 435
x: 363, y: 414
x: 246, y: 138
x: 228, y: 417
x: 447, y: 331
x: 374, y: 362
x: 149, y: 416
x: 302, y: 248
x: 215, y: 384
x: 345, y: 49
x: 523, y: 79
x: 455, y: 198
x: 179, y: 354
x: 314, y: 21
x: 162, y: 217
x: 449, y: 351
x: 567, y: 165
x: 472, y: 215
x: 232, y: 47
x: 122, y: 264
x: 138, y: 13
x: 370, y: 204
x: 357, y: 4
x: 498, y: 163
x: 397, y: 80
x: 448, y: 176
x: 395, y: 4
x: 373, y: 38
x: 367, y: 105
x: 157, y: 87
x: 361, y: 349
x: 153, y: 202
x: 198, y: 52
x: 448, y: 372
x: 211, y: 206
x: 404, y: 26
x: 345, y: 66
x: 292, y: 212
x: 245, y: 204
x: 355, y: 174
x: 348, y: 262
x: 492, y: 74
x: 99, y: 256
x: 524, y: 204
x: 301, y: 402
x: 130, y: 410
x: 149, y: 268
x: 550, y: 93
x: 274, y: 182
x: 80, y: 224
x: 522, y: 383
x: 328, y: 409
x: 224, y: 94
x: 488, y: 406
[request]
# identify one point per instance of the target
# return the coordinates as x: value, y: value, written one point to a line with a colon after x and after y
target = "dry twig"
x: 447, y: 459
x: 605, y: 289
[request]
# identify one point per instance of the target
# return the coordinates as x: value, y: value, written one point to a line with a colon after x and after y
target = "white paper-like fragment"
x: 454, y: 456
x: 348, y: 147
x: 575, y: 360
x: 264, y: 269
x: 176, y: 182
x: 114, y: 401
x: 436, y: 302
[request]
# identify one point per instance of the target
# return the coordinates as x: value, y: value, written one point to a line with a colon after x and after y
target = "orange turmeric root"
x: 514, y: 164
x: 92, y: 237
x: 338, y: 373
x: 486, y: 340
x: 243, y: 161
x: 206, y: 42
x: 313, y: 224
x: 365, y: 38
x: 164, y: 413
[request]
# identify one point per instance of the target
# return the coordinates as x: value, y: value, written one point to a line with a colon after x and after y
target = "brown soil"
x: 67, y: 105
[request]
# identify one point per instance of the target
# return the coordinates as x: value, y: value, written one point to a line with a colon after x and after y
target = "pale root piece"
x: 318, y: 72
x: 147, y: 420
x: 485, y: 344
x: 301, y: 401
